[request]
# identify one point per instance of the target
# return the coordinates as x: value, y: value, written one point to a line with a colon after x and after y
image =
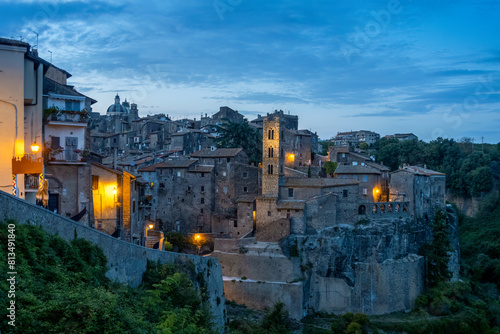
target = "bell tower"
x: 273, y: 158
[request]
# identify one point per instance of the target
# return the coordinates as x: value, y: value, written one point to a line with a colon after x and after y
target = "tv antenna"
x: 36, y: 39
x: 50, y: 55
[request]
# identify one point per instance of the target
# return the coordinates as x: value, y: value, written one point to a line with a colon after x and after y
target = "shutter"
x: 55, y: 142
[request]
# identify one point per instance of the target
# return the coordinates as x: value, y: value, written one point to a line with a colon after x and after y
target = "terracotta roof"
x: 296, y: 205
x: 420, y: 171
x: 218, y: 153
x: 318, y: 183
x: 357, y: 169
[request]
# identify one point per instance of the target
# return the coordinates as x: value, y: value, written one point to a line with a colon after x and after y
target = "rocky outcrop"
x: 371, y: 267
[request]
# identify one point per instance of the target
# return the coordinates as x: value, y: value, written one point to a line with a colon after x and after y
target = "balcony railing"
x: 31, y: 181
x: 67, y: 155
x: 67, y: 117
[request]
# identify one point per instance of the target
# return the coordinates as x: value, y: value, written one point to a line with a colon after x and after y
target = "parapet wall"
x: 127, y: 262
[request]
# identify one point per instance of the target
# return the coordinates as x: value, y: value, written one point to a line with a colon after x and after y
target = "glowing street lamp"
x: 151, y: 226
x: 114, y: 191
x: 35, y: 147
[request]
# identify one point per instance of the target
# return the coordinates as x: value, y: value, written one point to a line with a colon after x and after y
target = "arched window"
x: 382, y: 208
x: 375, y: 208
x: 269, y: 169
x: 390, y: 208
x: 269, y: 134
x: 272, y: 134
x: 270, y: 152
x: 405, y: 207
x: 398, y: 207
x: 362, y: 210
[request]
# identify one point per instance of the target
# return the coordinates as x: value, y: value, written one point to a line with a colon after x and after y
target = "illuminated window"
x: 365, y: 178
x: 95, y: 182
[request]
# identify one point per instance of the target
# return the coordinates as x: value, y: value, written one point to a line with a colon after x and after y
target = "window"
x: 202, y: 188
x: 189, y: 188
x: 225, y: 190
x: 354, y: 163
x: 224, y: 173
x: 235, y: 223
x: 178, y: 174
x: 365, y: 191
x: 270, y: 152
x: 355, y: 177
x: 72, y: 105
x: 202, y: 174
x: 245, y: 189
x: 55, y: 142
x: 228, y: 160
x: 201, y: 210
x: 345, y: 193
x: 290, y: 192
x: 362, y: 210
x: 269, y: 213
x: 202, y: 201
x: 133, y: 206
x: 95, y: 182
x: 269, y: 169
x: 245, y: 175
x: 169, y: 200
x: 365, y: 178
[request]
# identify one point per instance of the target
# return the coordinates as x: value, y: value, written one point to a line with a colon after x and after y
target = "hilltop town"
x: 321, y: 228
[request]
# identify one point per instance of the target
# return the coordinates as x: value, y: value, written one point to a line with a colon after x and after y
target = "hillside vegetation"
x: 61, y: 287
x: 470, y: 168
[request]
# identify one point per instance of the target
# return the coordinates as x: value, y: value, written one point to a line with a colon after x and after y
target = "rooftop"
x: 357, y: 169
x: 318, y: 183
x: 218, y: 153
x: 181, y: 163
x: 420, y: 171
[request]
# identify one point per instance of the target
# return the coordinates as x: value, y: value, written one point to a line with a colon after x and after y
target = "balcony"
x: 66, y: 117
x: 31, y: 182
x: 66, y: 155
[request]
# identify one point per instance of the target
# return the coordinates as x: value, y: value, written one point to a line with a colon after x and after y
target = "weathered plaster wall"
x: 127, y: 262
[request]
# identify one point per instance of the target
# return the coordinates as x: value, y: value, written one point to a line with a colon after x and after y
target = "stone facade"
x: 424, y: 189
x: 127, y: 262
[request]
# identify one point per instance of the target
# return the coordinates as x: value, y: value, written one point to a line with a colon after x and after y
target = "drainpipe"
x: 14, y: 147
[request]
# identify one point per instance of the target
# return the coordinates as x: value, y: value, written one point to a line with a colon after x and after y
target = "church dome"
x: 118, y: 108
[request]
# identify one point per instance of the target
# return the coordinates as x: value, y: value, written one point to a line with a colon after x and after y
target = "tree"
x: 482, y: 180
x: 235, y: 135
x: 330, y: 167
x: 437, y: 253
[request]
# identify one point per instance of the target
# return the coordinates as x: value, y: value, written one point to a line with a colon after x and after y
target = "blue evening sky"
x: 392, y: 66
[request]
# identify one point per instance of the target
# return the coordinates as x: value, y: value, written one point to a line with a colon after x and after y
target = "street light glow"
x: 35, y: 147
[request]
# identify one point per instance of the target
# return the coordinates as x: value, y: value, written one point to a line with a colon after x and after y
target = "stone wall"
x: 259, y: 295
x: 127, y: 262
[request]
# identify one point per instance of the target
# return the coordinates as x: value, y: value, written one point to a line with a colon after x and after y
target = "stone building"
x: 424, y: 189
x: 189, y: 141
x: 331, y: 249
x: 116, y: 199
x: 226, y: 114
x: 183, y: 195
x: 234, y: 178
